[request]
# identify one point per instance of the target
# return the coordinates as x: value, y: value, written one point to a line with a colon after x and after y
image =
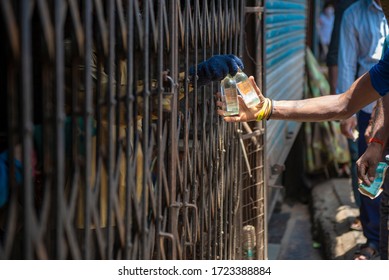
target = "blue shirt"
x: 379, y: 75
x: 362, y: 35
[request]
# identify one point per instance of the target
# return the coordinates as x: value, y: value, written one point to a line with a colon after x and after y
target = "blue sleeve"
x: 379, y: 75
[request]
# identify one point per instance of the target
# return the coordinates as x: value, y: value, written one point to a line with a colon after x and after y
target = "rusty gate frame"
x: 115, y: 154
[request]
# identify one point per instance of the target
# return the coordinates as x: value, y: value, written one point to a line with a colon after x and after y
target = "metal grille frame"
x: 120, y: 156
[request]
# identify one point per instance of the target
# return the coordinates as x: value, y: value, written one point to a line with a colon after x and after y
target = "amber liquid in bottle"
x: 229, y: 96
x: 246, y: 90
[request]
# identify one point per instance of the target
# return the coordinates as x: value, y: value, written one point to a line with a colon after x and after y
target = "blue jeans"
x: 370, y: 208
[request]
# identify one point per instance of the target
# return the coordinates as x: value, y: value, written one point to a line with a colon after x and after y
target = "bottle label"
x: 231, y: 99
x: 248, y: 93
x: 244, y: 87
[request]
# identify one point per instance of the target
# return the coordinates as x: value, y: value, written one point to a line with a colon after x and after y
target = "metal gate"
x: 108, y: 151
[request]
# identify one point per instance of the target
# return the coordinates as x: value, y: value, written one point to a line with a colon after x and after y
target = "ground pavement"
x: 318, y: 230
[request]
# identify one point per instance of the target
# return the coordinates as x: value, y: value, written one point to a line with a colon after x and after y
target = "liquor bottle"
x: 249, y: 242
x: 229, y: 96
x: 246, y: 90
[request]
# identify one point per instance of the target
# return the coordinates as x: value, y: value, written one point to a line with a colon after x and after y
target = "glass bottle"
x: 249, y: 242
x: 229, y: 96
x: 246, y: 90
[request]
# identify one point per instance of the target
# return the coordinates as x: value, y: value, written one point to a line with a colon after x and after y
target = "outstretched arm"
x: 323, y: 108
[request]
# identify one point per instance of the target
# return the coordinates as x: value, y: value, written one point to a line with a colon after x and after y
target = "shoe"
x: 356, y: 225
x: 366, y: 252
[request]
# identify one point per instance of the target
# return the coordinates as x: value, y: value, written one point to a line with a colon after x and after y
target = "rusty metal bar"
x: 27, y: 126
x: 60, y: 10
x: 130, y: 174
x: 88, y: 115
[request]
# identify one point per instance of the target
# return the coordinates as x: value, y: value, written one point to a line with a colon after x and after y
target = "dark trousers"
x: 353, y: 149
x: 370, y: 208
x: 384, y: 218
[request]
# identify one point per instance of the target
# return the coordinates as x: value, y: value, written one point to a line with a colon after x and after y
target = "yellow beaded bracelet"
x: 265, y: 111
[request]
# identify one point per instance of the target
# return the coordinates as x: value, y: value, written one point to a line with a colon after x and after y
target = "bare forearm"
x: 330, y: 107
x: 323, y: 108
x: 309, y: 110
x: 380, y: 120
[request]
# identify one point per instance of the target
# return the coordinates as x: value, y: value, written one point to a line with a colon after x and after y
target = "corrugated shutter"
x: 284, y: 53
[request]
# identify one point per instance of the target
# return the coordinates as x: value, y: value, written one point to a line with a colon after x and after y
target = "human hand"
x: 348, y: 126
x: 367, y: 163
x: 215, y: 68
x: 247, y: 114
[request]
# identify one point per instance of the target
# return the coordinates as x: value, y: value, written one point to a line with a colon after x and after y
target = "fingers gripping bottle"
x: 246, y: 90
x: 229, y: 96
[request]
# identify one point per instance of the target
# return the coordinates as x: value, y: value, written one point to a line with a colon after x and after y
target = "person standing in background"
x: 332, y: 66
x: 325, y: 25
x: 362, y: 34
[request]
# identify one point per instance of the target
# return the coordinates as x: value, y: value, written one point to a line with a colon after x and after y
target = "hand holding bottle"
x: 258, y: 112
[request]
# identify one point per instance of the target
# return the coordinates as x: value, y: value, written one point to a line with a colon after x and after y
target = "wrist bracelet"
x: 376, y: 140
x: 266, y: 110
x: 271, y: 109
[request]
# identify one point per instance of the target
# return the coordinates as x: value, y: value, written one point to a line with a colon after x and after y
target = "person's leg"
x: 384, y: 224
x: 384, y: 218
x: 370, y: 208
x: 370, y: 219
x: 354, y: 155
x: 353, y: 149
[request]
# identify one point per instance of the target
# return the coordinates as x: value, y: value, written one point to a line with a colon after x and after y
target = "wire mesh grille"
x: 110, y: 152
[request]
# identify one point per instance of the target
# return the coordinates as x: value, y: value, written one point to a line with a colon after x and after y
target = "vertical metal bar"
x: 88, y: 113
x: 159, y: 189
x: 130, y: 176
x: 186, y: 123
x: 219, y: 178
x: 205, y: 252
x: 59, y: 127
x: 27, y: 126
x: 111, y: 107
x: 228, y: 179
x: 145, y: 126
x: 240, y: 5
x: 242, y: 19
x: 264, y: 171
x: 211, y: 166
x: 234, y: 185
x: 225, y: 164
x: 13, y: 110
x: 173, y: 123
x: 238, y: 27
x: 258, y: 49
x: 238, y: 182
x: 195, y: 118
